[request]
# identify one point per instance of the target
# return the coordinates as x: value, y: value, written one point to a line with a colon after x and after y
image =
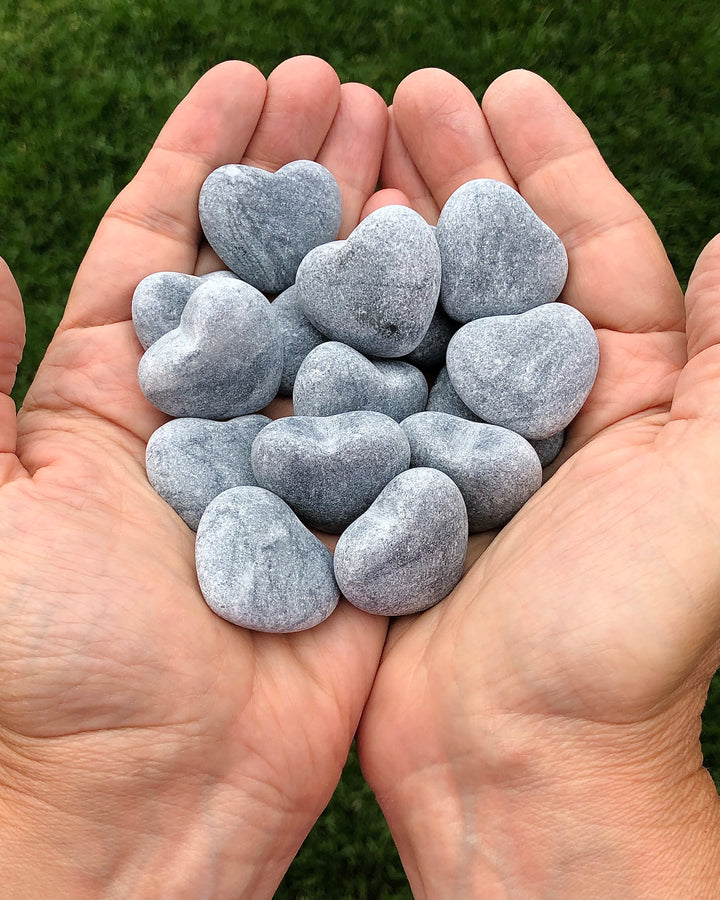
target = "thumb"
x: 696, y: 394
x: 12, y: 340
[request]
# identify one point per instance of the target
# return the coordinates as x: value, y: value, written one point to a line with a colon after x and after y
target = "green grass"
x: 86, y: 84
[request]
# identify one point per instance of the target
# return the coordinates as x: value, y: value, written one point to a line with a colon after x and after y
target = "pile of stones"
x: 431, y: 371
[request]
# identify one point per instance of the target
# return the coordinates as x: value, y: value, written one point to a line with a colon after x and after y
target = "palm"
x: 108, y: 647
x: 579, y: 609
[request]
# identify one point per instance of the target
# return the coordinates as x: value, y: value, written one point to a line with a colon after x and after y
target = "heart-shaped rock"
x: 258, y: 566
x: 223, y: 360
x: 329, y: 469
x: 377, y: 290
x: 333, y: 378
x: 299, y: 336
x: 160, y: 298
x: 530, y: 372
x: 190, y: 461
x: 261, y: 224
x: 498, y: 256
x: 496, y: 470
x: 406, y: 553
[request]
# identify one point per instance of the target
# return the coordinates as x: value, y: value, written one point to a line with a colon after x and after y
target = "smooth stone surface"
x: 406, y: 553
x: 299, y: 336
x: 444, y: 398
x: 190, y: 461
x: 261, y: 224
x: 378, y: 290
x: 430, y: 352
x: 160, y: 298
x: 498, y: 256
x: 334, y: 378
x: 548, y: 448
x: 530, y: 373
x: 496, y: 470
x: 329, y: 469
x: 223, y: 360
x: 258, y: 566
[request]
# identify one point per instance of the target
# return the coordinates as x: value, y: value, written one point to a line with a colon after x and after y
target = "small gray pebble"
x: 299, y: 336
x: 223, y: 360
x: 160, y: 298
x: 261, y: 224
x: 406, y: 553
x: 329, y: 469
x: 430, y: 352
x: 334, y: 378
x: 548, y: 448
x: 496, y: 470
x: 377, y: 290
x: 530, y: 372
x: 259, y: 567
x: 498, y: 256
x: 190, y: 461
x: 444, y: 398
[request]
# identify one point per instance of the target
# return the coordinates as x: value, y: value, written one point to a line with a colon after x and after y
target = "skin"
x: 533, y: 735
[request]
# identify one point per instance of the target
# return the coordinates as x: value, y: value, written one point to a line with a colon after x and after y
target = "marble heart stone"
x: 329, y: 469
x: 299, y: 336
x: 498, y: 256
x: 160, y: 298
x: 190, y: 461
x: 406, y: 553
x: 223, y: 360
x: 530, y: 372
x: 334, y: 378
x: 377, y: 290
x: 259, y: 567
x: 261, y: 224
x: 496, y: 470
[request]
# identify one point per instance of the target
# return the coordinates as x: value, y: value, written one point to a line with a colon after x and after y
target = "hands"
x: 535, y: 733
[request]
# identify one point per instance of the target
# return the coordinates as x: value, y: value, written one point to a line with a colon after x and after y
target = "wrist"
x: 561, y: 808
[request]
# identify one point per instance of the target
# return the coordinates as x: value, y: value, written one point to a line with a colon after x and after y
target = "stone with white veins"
x: 259, y: 567
x: 405, y: 553
x: 333, y: 378
x: 498, y: 256
x: 496, y: 470
x: 378, y: 290
x: 190, y: 461
x: 223, y: 360
x: 261, y: 224
x: 160, y: 298
x: 299, y: 336
x: 329, y: 469
x: 530, y: 372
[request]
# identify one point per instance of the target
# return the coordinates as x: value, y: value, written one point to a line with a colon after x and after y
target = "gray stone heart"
x: 299, y: 336
x: 407, y: 551
x: 261, y: 224
x: 333, y: 378
x: 530, y: 373
x: 223, y: 360
x: 259, y: 567
x: 190, y: 461
x: 329, y: 469
x: 498, y: 256
x: 377, y: 290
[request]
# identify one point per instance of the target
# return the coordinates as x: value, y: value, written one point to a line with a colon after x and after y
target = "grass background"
x: 86, y: 84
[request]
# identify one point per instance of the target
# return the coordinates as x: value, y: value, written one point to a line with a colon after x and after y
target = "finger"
x: 385, y: 197
x: 303, y: 94
x: 619, y: 275
x: 398, y: 171
x: 12, y: 339
x: 153, y: 224
x: 353, y: 149
x: 445, y: 133
x: 698, y: 390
